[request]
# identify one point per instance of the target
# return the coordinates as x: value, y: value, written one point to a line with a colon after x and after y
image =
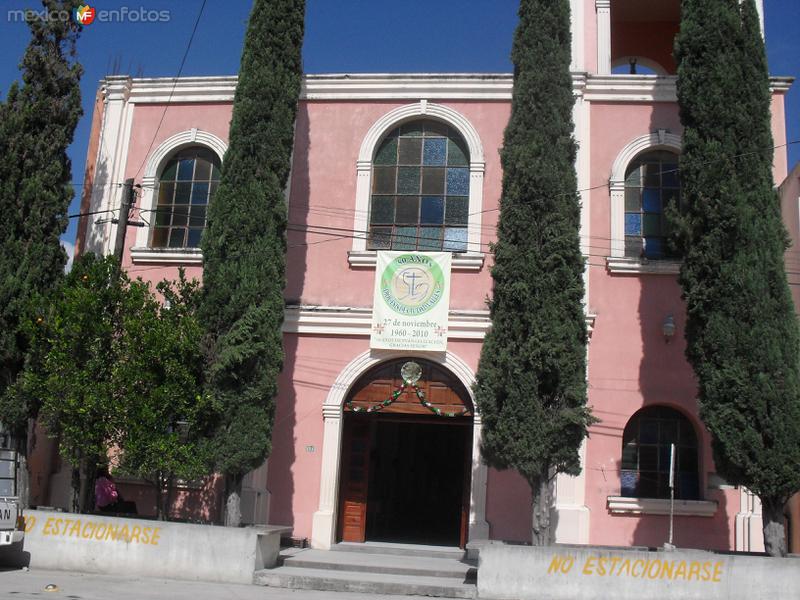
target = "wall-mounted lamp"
x: 668, y: 328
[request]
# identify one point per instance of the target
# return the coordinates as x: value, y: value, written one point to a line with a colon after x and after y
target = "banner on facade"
x: 411, y: 301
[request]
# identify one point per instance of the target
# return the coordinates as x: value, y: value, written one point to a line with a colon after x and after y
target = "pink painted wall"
x: 146, y: 137
x: 200, y: 502
x: 312, y: 365
x: 790, y: 209
x: 590, y: 36
x: 630, y: 365
x: 323, y: 193
x: 780, y: 167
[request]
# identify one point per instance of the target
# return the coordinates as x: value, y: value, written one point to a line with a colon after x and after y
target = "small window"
x: 646, y: 444
x: 420, y: 190
x: 186, y: 186
x: 651, y: 186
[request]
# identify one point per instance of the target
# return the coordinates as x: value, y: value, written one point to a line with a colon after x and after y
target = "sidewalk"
x: 23, y: 585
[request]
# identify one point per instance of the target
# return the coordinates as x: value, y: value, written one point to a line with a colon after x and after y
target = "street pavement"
x: 21, y: 585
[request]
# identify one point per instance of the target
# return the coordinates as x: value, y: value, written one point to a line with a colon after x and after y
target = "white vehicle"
x: 12, y: 524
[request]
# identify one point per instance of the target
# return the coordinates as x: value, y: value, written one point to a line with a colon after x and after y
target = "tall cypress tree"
x: 245, y: 244
x: 742, y: 334
x: 37, y: 123
x: 531, y: 387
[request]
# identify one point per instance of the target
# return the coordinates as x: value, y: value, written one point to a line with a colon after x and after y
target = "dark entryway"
x: 406, y: 461
x: 417, y: 482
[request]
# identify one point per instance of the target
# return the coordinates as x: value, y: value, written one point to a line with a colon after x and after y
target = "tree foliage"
x: 71, y: 367
x: 531, y: 388
x: 742, y: 334
x: 117, y: 374
x: 244, y: 245
x: 167, y: 419
x: 37, y: 123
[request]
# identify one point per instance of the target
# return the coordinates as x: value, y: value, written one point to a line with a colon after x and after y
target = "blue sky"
x: 341, y: 36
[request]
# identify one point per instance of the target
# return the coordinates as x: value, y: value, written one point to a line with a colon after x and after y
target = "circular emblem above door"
x: 411, y: 372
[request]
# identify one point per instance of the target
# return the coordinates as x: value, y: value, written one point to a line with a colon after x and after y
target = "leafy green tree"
x: 166, y: 417
x: 37, y: 123
x: 71, y: 371
x: 742, y: 334
x: 119, y: 375
x: 531, y: 387
x: 244, y: 246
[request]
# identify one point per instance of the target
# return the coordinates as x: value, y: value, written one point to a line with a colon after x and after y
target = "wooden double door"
x: 405, y: 473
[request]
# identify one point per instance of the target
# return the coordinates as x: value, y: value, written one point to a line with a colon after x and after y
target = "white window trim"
x: 472, y: 260
x: 142, y: 252
x: 618, y: 262
x: 661, y: 506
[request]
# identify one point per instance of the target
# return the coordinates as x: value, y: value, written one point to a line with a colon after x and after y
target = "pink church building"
x: 411, y: 162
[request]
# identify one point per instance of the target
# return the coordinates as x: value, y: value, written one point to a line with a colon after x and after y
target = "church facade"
x: 410, y: 162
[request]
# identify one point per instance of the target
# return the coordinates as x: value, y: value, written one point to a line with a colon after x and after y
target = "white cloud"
x: 70, y: 250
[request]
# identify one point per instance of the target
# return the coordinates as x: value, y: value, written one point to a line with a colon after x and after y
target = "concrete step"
x: 394, y: 564
x: 401, y: 549
x: 370, y: 583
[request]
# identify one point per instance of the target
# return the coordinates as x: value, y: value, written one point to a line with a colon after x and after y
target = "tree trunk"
x: 541, y: 526
x: 233, y: 500
x: 774, y: 531
x: 159, y: 489
x: 75, y: 483
x: 86, y: 495
x: 169, y: 482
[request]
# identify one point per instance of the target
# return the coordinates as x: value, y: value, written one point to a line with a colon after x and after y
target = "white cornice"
x: 357, y: 321
x: 632, y: 266
x: 338, y: 320
x: 407, y: 86
x: 781, y: 84
x: 631, y: 88
x: 483, y: 86
x: 166, y: 256
x: 658, y: 506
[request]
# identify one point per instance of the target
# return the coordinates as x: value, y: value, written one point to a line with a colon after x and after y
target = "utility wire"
x: 174, y: 86
x: 353, y: 211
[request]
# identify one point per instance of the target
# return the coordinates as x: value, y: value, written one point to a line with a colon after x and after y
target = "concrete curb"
x: 100, y: 544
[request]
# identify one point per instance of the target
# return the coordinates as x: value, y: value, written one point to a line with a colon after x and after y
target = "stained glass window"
x: 187, y: 184
x: 651, y: 186
x: 646, y: 445
x: 420, y: 190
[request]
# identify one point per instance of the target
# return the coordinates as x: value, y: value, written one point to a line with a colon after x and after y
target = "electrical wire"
x: 174, y: 86
x: 353, y: 211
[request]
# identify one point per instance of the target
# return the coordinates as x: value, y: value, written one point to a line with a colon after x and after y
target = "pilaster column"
x: 603, y: 36
x: 478, y: 526
x: 323, y: 528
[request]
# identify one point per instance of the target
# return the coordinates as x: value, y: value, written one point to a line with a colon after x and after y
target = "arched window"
x: 646, y: 444
x: 420, y: 189
x: 636, y: 65
x: 651, y: 186
x: 185, y: 188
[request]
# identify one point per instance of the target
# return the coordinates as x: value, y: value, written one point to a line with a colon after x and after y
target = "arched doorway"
x: 406, y: 456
